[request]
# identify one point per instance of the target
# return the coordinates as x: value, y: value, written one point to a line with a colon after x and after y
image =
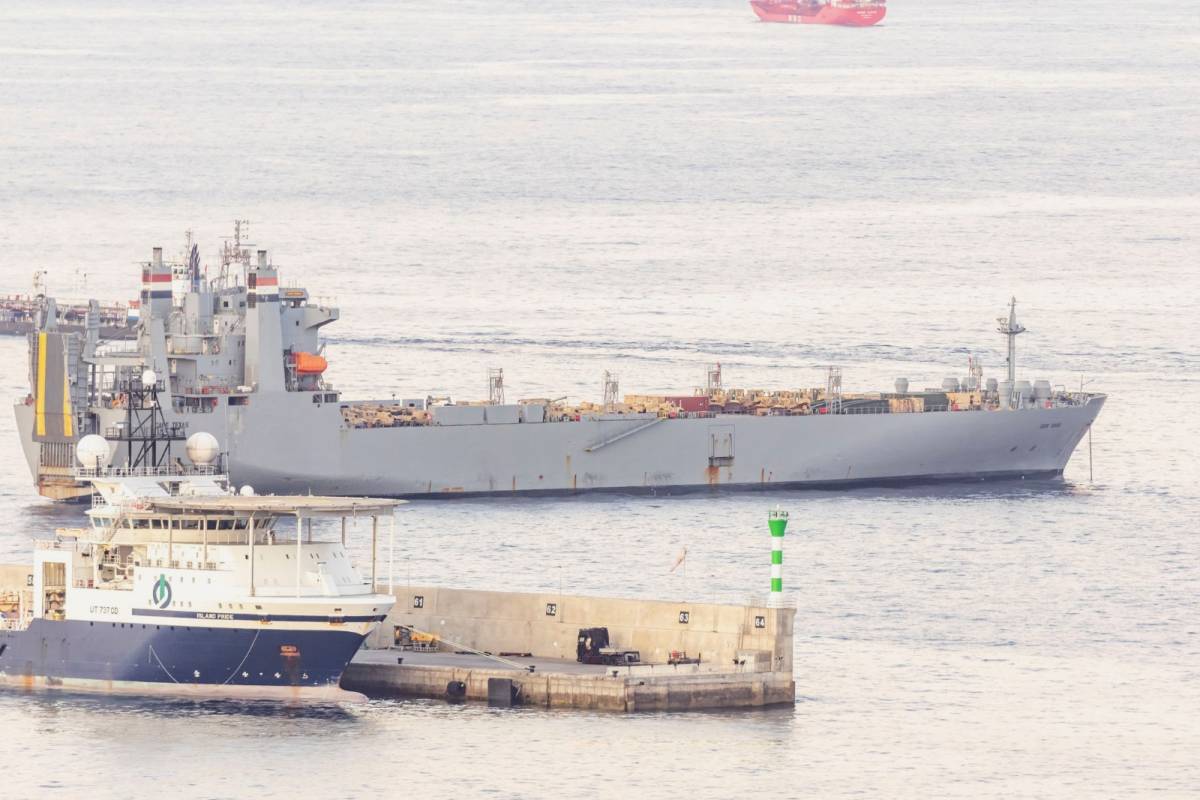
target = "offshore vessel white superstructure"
x: 241, y: 357
x: 180, y: 587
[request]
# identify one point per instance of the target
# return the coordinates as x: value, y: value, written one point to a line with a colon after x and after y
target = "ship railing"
x: 163, y: 563
x: 148, y: 472
x: 54, y: 544
x: 12, y: 624
x: 160, y: 431
x: 865, y: 410
x: 114, y: 349
x: 322, y: 300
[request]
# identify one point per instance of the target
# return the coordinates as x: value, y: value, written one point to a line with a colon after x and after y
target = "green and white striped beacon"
x: 777, y: 521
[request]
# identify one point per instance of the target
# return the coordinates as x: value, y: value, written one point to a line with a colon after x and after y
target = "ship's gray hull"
x: 301, y: 449
x: 240, y: 360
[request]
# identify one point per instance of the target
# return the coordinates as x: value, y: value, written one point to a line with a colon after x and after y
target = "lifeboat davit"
x: 309, y: 363
x: 857, y: 13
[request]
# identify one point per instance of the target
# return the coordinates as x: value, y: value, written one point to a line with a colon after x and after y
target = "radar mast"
x: 1010, y: 328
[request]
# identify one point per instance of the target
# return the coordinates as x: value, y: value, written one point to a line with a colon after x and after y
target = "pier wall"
x: 547, y: 626
x: 686, y: 691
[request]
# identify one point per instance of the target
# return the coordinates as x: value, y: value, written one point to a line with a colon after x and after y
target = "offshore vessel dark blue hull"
x: 259, y: 662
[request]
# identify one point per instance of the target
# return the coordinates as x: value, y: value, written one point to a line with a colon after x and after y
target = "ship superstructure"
x: 241, y: 356
x: 180, y: 586
x: 23, y: 314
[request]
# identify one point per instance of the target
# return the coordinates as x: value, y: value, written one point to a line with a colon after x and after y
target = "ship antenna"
x: 238, y: 251
x: 1011, y: 329
x: 192, y: 255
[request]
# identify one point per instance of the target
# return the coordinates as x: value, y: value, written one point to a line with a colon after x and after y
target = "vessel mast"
x: 1010, y: 328
x: 146, y: 434
x: 496, y: 387
x: 237, y: 252
x: 712, y: 385
x: 833, y: 390
x: 611, y: 390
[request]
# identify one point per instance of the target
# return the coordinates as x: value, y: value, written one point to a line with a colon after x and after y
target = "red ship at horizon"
x: 857, y: 13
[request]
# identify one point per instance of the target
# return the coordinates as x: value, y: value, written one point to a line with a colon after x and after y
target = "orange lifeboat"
x: 309, y: 363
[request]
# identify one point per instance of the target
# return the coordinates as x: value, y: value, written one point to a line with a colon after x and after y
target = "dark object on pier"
x: 591, y: 641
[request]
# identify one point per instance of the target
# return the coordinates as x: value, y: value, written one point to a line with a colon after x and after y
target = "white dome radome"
x: 246, y: 491
x: 92, y: 452
x: 202, y: 448
x: 149, y: 378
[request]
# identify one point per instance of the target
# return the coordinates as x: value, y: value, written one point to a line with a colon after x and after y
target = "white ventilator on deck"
x: 777, y: 522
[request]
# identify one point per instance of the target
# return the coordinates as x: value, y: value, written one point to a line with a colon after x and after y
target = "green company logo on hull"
x: 161, y: 595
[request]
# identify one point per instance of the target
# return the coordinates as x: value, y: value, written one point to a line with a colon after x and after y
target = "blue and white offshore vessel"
x: 180, y: 586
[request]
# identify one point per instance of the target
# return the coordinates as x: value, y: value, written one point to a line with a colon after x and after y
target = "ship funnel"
x: 156, y: 288
x: 264, y: 336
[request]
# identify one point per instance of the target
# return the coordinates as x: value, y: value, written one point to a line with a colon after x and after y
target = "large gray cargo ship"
x: 241, y: 357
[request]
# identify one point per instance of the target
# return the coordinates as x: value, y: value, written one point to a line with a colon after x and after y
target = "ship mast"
x: 496, y: 387
x: 611, y: 389
x: 712, y: 384
x: 235, y: 252
x: 1010, y: 328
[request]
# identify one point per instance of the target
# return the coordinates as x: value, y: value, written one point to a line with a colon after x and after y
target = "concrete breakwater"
x: 690, y: 655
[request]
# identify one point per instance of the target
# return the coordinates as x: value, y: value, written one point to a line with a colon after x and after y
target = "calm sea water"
x: 567, y: 188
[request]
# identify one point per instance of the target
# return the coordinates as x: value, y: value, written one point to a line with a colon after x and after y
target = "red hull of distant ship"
x: 808, y: 14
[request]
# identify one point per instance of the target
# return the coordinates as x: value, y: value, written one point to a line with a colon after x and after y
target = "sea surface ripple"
x: 561, y: 189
